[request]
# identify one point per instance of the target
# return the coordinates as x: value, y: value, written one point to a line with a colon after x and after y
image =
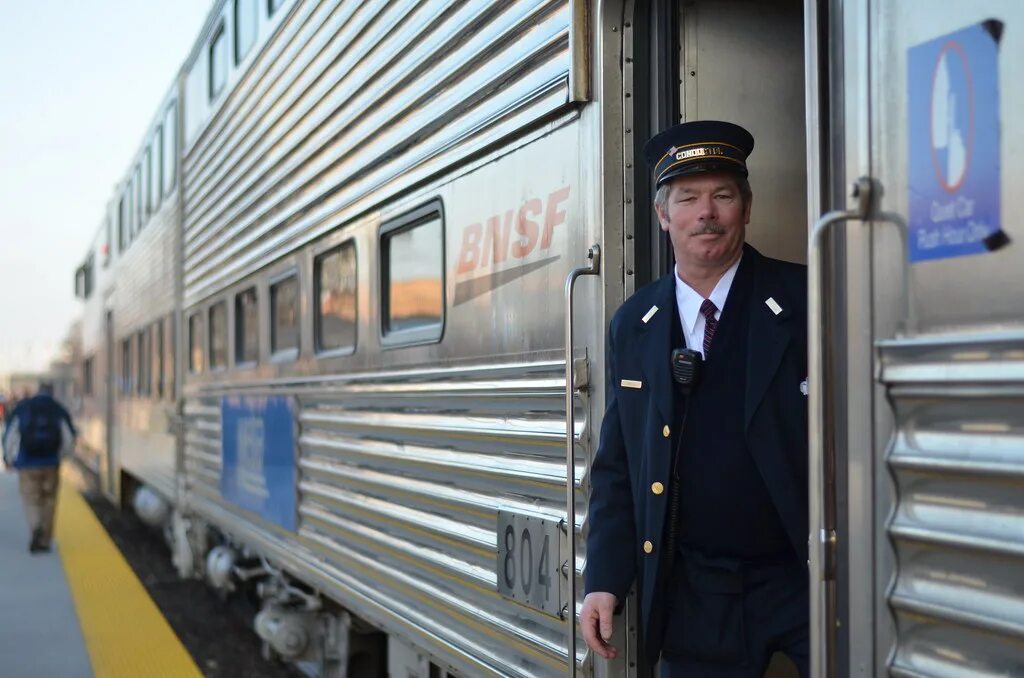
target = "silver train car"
x: 383, y: 272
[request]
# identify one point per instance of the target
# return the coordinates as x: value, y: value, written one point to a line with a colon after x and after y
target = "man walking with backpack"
x: 38, y: 433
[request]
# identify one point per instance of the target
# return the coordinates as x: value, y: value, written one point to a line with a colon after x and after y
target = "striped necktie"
x: 707, y: 309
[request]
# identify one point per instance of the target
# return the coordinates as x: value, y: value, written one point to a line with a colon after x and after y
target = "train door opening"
x: 741, y: 61
x: 737, y: 60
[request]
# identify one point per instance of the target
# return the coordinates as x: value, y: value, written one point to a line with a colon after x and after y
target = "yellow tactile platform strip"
x: 124, y: 631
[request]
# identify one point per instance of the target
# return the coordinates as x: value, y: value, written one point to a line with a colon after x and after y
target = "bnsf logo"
x: 491, y: 242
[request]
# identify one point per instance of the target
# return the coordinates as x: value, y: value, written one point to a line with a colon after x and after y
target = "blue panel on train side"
x: 953, y: 135
x: 258, y: 456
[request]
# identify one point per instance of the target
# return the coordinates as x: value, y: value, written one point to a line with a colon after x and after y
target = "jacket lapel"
x: 770, y: 333
x: 656, y: 334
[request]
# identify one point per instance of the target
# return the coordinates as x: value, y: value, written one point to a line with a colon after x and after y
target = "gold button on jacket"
x: 665, y: 431
x: 648, y: 547
x: 657, y: 488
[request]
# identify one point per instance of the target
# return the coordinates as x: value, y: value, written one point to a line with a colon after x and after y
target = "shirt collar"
x: 689, y: 302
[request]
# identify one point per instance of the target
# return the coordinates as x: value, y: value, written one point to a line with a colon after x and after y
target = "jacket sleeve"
x: 11, y: 441
x: 611, y: 536
x: 67, y: 438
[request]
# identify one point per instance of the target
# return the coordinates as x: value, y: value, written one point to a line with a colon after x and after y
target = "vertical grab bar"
x: 569, y: 610
x: 821, y: 455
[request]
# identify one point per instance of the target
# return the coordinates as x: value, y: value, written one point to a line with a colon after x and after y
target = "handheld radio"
x: 686, y: 367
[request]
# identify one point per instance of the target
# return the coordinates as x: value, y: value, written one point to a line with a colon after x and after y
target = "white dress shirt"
x: 689, y: 302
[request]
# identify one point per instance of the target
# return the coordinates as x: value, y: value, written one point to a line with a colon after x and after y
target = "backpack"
x: 40, y: 432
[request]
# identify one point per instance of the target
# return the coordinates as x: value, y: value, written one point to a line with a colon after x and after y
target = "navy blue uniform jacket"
x: 634, y: 452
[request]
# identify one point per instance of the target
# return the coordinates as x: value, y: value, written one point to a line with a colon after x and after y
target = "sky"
x: 80, y: 81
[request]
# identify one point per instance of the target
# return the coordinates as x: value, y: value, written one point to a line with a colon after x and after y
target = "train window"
x: 130, y: 193
x: 87, y: 367
x: 218, y: 62
x: 169, y: 144
x: 147, y: 173
x: 126, y: 366
x: 218, y: 336
x: 158, y: 357
x: 139, y: 206
x: 144, y: 362
x: 412, y: 282
x: 246, y: 327
x: 158, y: 164
x: 170, y: 360
x: 273, y: 5
x: 122, y: 224
x: 284, y: 315
x: 245, y: 28
x: 335, y: 275
x: 195, y: 343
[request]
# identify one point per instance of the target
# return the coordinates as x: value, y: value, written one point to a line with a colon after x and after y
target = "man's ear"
x: 746, y: 210
x: 662, y: 217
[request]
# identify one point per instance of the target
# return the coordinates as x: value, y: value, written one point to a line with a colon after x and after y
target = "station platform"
x: 79, y: 610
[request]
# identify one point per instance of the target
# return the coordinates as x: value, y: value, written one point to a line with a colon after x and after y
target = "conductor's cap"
x: 698, y: 146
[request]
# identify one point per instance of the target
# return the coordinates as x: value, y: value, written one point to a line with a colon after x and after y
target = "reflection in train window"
x: 413, y: 276
x: 218, y: 335
x: 335, y: 275
x: 284, y: 315
x: 246, y: 327
x: 218, y: 62
x: 245, y: 28
x: 195, y: 343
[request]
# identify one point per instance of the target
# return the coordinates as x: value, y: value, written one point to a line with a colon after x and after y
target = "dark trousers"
x: 727, y: 624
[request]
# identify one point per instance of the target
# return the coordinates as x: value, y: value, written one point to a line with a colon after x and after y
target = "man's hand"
x: 596, y: 622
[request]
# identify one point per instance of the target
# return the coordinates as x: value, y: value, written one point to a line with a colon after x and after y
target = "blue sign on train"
x: 258, y: 456
x: 953, y: 133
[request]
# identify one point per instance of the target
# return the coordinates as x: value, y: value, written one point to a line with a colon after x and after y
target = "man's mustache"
x: 708, y: 227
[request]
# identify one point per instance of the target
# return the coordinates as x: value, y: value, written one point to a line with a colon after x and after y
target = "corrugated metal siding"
x: 144, y: 289
x: 958, y: 527
x: 351, y: 103
x: 400, y: 479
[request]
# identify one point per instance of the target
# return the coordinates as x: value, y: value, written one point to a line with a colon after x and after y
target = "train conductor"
x: 701, y: 471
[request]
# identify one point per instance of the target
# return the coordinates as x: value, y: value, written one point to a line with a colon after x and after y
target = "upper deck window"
x: 218, y: 62
x: 170, y: 149
x: 335, y: 275
x: 123, y: 236
x: 245, y: 28
x: 147, y: 172
x: 412, y: 273
x: 139, y: 206
x: 132, y: 227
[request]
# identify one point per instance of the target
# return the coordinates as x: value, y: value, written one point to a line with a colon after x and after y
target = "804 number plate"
x: 529, y: 561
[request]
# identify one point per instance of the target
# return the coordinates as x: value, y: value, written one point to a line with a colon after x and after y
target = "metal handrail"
x: 569, y: 610
x: 822, y: 500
